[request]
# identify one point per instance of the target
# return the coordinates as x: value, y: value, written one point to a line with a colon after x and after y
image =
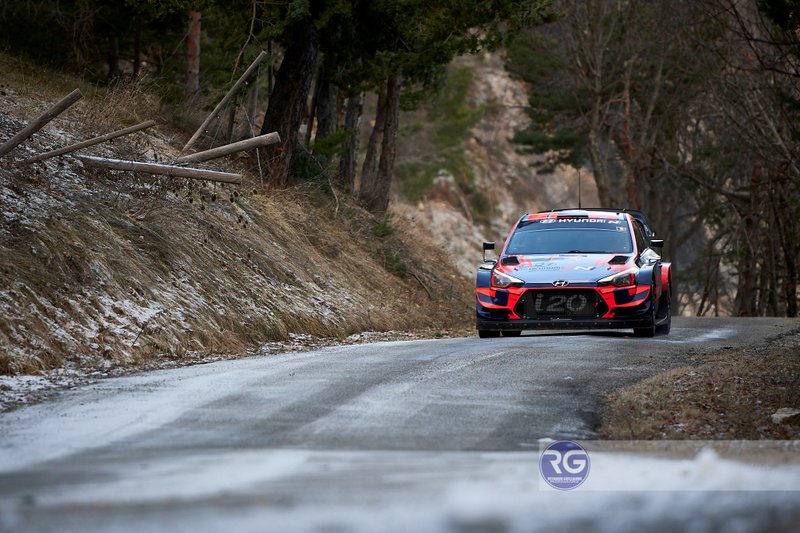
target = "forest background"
x: 687, y: 110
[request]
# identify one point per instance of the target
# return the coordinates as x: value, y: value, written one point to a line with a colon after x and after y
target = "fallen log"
x: 220, y: 151
x: 87, y: 143
x: 224, y: 100
x: 165, y: 170
x: 40, y: 122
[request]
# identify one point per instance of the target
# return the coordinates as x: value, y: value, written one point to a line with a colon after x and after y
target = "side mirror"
x: 656, y: 243
x: 487, y: 246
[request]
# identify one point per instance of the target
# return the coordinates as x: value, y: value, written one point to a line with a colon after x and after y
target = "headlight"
x: 623, y: 279
x: 499, y: 279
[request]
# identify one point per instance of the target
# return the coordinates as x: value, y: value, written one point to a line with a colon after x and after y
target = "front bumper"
x: 608, y: 308
x: 563, y: 323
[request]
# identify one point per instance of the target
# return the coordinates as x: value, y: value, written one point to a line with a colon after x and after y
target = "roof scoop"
x: 619, y: 260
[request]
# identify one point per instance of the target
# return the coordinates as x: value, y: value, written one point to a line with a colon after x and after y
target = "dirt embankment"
x: 103, y: 268
x: 731, y: 395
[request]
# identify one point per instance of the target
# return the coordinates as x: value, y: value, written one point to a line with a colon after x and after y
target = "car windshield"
x: 583, y: 237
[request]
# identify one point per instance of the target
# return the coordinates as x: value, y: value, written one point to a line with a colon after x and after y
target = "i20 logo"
x: 564, y: 465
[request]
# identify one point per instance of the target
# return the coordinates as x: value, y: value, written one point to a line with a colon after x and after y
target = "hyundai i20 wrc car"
x: 576, y: 268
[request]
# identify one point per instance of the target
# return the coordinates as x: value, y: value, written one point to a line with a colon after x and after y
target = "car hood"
x: 574, y: 268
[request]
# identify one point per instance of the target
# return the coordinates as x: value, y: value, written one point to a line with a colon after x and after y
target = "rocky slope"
x: 503, y: 174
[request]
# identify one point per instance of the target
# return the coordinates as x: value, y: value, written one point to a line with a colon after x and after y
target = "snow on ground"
x: 16, y: 390
x: 304, y: 490
x: 19, y: 390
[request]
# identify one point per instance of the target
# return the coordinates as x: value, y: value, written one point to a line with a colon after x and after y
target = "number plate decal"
x: 559, y: 304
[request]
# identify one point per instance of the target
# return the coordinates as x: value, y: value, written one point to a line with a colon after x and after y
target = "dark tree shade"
x: 288, y: 99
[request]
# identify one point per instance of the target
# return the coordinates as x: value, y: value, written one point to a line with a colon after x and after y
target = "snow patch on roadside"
x: 19, y: 390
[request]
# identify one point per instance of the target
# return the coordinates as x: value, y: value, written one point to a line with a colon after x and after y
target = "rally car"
x: 576, y: 268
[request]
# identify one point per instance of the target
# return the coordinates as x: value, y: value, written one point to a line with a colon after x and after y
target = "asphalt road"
x: 435, y: 435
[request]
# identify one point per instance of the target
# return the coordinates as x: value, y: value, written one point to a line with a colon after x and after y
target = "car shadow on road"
x: 579, y: 333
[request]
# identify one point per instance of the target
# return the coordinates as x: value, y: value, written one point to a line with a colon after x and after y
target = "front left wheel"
x: 650, y: 329
x: 666, y: 325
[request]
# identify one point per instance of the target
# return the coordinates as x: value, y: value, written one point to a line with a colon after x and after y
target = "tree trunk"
x: 250, y: 111
x: 114, y: 70
x: 788, y: 234
x: 599, y: 169
x: 326, y: 109
x: 588, y: 57
x: 347, y: 163
x: 270, y: 70
x: 745, y: 301
x: 137, y: 46
x: 327, y: 113
x: 378, y: 198
x: 193, y: 58
x: 287, y: 102
x: 771, y: 268
x: 340, y: 109
x: 313, y: 110
x: 629, y: 156
x: 231, y: 123
x: 370, y: 166
x: 790, y: 285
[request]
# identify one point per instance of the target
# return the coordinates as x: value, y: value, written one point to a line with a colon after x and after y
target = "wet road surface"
x: 434, y: 435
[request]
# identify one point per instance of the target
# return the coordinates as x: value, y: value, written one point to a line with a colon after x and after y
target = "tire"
x: 488, y: 334
x: 512, y: 333
x: 648, y: 331
x: 663, y: 329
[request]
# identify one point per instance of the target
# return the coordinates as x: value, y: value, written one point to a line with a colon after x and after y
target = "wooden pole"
x: 224, y: 100
x: 87, y: 143
x: 37, y: 124
x: 220, y: 151
x: 166, y: 170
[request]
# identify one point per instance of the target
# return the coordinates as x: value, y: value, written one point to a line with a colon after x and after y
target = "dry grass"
x: 732, y: 396
x: 102, y: 108
x: 30, y: 80
x: 124, y: 103
x: 102, y: 269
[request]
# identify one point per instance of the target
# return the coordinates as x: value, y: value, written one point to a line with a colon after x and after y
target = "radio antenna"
x: 579, y: 188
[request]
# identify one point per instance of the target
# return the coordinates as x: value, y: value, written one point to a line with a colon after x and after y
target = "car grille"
x: 559, y: 304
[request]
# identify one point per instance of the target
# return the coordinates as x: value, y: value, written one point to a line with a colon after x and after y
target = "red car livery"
x: 576, y: 268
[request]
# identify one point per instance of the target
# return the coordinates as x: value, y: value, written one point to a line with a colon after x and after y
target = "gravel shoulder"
x: 732, y: 393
